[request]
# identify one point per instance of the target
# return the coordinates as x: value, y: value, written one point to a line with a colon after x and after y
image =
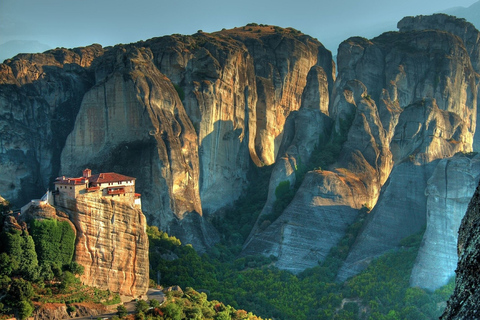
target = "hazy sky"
x: 73, y: 23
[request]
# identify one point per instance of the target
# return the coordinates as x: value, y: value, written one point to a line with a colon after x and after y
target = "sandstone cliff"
x: 111, y: 244
x: 40, y: 95
x: 429, y: 75
x: 401, y: 101
x: 463, y: 304
x: 448, y: 193
x: 186, y: 115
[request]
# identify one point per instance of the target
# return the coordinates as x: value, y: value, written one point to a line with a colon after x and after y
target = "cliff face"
x: 401, y: 101
x: 186, y: 115
x: 111, y: 244
x: 40, y: 95
x: 463, y: 304
x: 448, y: 194
x: 429, y: 75
x: 111, y: 241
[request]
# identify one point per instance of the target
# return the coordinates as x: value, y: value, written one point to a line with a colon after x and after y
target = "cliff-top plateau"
x: 389, y: 129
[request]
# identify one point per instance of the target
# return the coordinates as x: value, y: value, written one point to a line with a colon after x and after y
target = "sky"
x: 73, y: 23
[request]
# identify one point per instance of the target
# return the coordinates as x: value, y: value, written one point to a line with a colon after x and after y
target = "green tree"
x: 29, y: 262
x: 76, y: 269
x: 154, y: 303
x: 25, y: 309
x: 19, y: 290
x: 5, y: 264
x: 54, y: 241
x: 122, y: 311
x: 68, y: 280
x: 173, y: 311
x: 141, y: 306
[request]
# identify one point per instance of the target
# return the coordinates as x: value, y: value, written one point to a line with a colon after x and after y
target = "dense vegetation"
x: 36, y: 266
x: 380, y: 292
x: 54, y: 241
x: 185, y: 305
x: 253, y: 283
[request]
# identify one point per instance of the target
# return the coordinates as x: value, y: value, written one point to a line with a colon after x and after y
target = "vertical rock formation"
x: 40, y: 95
x: 427, y: 89
x: 134, y: 120
x: 111, y: 240
x: 459, y: 27
x: 187, y: 115
x: 401, y: 101
x: 448, y: 191
x: 199, y: 109
x: 111, y: 243
x: 463, y: 304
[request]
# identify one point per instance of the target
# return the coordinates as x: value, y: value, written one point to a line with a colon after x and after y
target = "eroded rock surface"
x: 111, y: 244
x: 40, y: 95
x: 448, y: 192
x: 463, y: 304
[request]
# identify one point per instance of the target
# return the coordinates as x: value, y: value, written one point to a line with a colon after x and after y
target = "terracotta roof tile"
x: 109, y: 177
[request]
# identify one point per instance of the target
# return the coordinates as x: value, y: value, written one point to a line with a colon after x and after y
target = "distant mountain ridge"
x: 471, y: 14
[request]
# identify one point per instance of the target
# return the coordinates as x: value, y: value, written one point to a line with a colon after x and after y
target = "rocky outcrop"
x: 463, y: 304
x: 111, y: 244
x: 459, y: 27
x: 135, y: 121
x: 399, y: 212
x: 58, y: 311
x: 401, y: 102
x: 448, y: 192
x: 40, y: 95
x: 188, y: 115
x: 427, y: 91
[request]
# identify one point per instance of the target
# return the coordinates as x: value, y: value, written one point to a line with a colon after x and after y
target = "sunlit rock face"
x: 463, y: 304
x: 459, y: 27
x: 186, y: 115
x: 240, y: 86
x: 111, y: 244
x: 403, y: 101
x: 40, y: 95
x: 133, y: 122
x: 429, y: 76
x: 111, y: 240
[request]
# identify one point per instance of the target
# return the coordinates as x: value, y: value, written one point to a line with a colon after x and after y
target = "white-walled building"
x: 110, y: 184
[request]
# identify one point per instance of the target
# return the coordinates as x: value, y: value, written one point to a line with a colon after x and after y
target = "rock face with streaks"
x: 40, y: 95
x: 463, y: 304
x: 189, y: 115
x: 401, y: 101
x: 186, y: 115
x: 111, y: 243
x: 448, y: 193
x: 428, y: 74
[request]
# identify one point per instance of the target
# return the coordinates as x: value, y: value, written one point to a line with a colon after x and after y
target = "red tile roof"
x: 109, y: 177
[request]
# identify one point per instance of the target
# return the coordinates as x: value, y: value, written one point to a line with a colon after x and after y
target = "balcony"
x: 93, y: 189
x: 112, y: 191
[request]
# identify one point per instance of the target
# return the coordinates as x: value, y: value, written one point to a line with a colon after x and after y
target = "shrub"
x: 54, y: 241
x: 25, y: 309
x: 122, y: 311
x: 141, y: 306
